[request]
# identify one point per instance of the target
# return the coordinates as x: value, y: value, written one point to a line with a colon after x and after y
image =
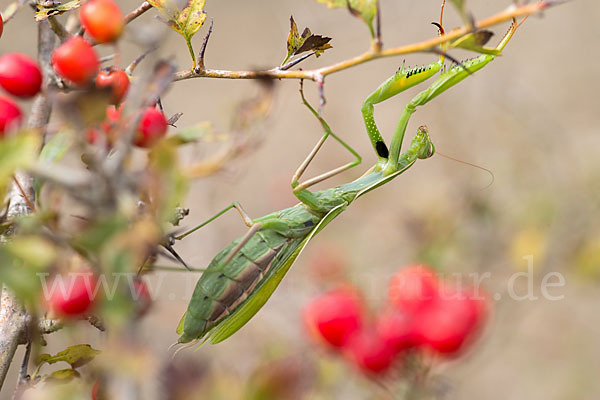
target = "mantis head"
x: 423, y: 144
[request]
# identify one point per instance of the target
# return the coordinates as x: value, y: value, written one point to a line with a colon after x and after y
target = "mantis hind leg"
x: 300, y: 188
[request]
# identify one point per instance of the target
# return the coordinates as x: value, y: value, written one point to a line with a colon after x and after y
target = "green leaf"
x: 163, y: 160
x: 62, y: 376
x: 77, y: 355
x: 191, y: 134
x: 297, y: 43
x: 99, y: 234
x: 475, y: 41
x: 186, y: 22
x: 19, y: 151
x: 22, y: 260
x: 364, y: 9
x: 52, y: 152
x: 42, y: 12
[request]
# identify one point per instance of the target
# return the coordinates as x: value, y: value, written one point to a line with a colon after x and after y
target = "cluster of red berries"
x: 77, y: 62
x: 422, y: 314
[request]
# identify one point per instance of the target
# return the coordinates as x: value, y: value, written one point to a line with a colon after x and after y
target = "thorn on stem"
x: 200, y: 64
x: 134, y: 63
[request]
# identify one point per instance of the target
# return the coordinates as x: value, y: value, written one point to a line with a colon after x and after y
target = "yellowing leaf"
x: 186, y: 22
x: 62, y: 376
x: 364, y: 9
x: 42, y: 12
x: 297, y: 43
x: 475, y: 41
x: 192, y: 18
x: 76, y: 355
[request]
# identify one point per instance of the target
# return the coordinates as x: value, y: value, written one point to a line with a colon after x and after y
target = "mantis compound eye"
x: 431, y: 151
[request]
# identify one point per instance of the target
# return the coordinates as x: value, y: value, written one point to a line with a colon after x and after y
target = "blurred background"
x: 528, y: 117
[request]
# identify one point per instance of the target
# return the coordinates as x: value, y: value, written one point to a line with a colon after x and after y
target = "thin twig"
x: 23, y: 376
x: 58, y: 29
x: 378, y: 42
x: 424, y: 46
x: 145, y: 6
x: 25, y: 196
x: 131, y: 67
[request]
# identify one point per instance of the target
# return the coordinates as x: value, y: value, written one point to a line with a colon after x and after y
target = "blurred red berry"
x: 92, y: 136
x: 102, y: 19
x: 98, y: 390
x: 396, y: 329
x: 111, y: 122
x: 76, y: 60
x: 10, y: 115
x: 152, y: 127
x: 20, y: 75
x: 117, y: 80
x: 413, y: 288
x: 335, y: 316
x: 370, y: 352
x: 451, y: 322
x: 142, y: 297
x: 72, y: 295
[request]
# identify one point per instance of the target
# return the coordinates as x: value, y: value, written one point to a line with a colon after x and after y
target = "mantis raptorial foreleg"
x: 299, y: 187
x: 447, y: 79
x: 247, y: 220
x: 402, y: 80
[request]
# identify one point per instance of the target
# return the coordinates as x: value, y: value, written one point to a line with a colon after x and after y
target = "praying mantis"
x: 243, y: 276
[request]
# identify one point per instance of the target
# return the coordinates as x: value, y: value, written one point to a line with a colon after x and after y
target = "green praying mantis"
x: 242, y: 276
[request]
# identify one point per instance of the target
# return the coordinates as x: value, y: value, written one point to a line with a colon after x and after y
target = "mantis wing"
x: 241, y: 316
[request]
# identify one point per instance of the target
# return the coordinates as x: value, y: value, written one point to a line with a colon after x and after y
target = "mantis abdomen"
x: 237, y: 272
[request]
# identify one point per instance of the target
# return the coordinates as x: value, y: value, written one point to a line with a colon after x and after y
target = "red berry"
x: 20, y: 75
x: 142, y: 297
x: 152, y: 127
x: 1, y: 25
x: 102, y: 19
x: 334, y: 316
x: 76, y: 60
x: 10, y: 115
x: 92, y: 136
x: 413, y: 288
x: 117, y: 80
x: 396, y: 329
x: 371, y: 353
x: 98, y: 390
x: 72, y: 295
x: 449, y: 324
